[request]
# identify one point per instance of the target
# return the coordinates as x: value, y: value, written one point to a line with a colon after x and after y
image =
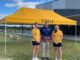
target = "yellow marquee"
x: 30, y: 16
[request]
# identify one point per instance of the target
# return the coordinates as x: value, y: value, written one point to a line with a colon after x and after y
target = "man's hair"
x: 46, y: 21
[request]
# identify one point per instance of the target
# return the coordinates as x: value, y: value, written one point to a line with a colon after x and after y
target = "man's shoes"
x: 47, y: 58
x: 43, y: 58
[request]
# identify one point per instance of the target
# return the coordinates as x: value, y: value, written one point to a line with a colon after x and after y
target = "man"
x: 36, y: 41
x: 46, y: 37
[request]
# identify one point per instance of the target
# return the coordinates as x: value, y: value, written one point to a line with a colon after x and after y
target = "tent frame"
x: 44, y: 15
x: 5, y: 48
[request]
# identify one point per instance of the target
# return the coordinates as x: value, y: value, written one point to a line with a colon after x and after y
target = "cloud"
x: 21, y: 3
x: 14, y: 0
x: 2, y: 16
x: 27, y: 4
x: 10, y: 5
x: 18, y: 0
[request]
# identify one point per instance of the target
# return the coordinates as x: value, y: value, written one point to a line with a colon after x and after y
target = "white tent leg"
x: 5, y: 40
x: 76, y: 36
x: 74, y: 56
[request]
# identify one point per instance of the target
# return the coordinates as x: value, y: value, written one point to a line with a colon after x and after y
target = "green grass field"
x: 21, y: 49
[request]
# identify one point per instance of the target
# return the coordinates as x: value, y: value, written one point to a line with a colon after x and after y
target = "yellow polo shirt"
x: 36, y: 34
x: 57, y: 36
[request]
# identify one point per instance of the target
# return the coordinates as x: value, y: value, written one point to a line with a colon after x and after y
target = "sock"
x: 55, y: 58
x: 60, y: 59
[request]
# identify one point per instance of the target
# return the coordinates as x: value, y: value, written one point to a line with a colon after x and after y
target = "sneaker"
x: 37, y: 58
x: 33, y: 58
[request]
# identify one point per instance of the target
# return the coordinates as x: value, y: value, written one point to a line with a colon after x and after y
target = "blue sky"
x: 8, y: 7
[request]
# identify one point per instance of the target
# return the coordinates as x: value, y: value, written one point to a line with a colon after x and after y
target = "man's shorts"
x: 57, y: 45
x: 35, y: 43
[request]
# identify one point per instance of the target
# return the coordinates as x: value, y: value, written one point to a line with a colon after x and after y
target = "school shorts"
x: 57, y: 45
x: 35, y: 43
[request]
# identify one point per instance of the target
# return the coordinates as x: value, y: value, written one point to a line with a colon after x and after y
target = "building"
x: 63, y: 7
x: 60, y: 4
x: 67, y: 8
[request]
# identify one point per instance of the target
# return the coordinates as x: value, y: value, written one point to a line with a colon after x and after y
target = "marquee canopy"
x: 30, y: 16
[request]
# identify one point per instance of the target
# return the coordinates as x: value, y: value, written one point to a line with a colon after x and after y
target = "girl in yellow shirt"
x: 36, y: 41
x: 57, y: 36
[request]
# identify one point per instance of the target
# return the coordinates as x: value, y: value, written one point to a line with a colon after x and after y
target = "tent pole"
x: 5, y: 40
x: 76, y: 57
x: 22, y: 29
x: 15, y: 29
x: 75, y: 36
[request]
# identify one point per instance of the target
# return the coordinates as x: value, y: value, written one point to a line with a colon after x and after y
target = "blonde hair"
x: 56, y: 27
